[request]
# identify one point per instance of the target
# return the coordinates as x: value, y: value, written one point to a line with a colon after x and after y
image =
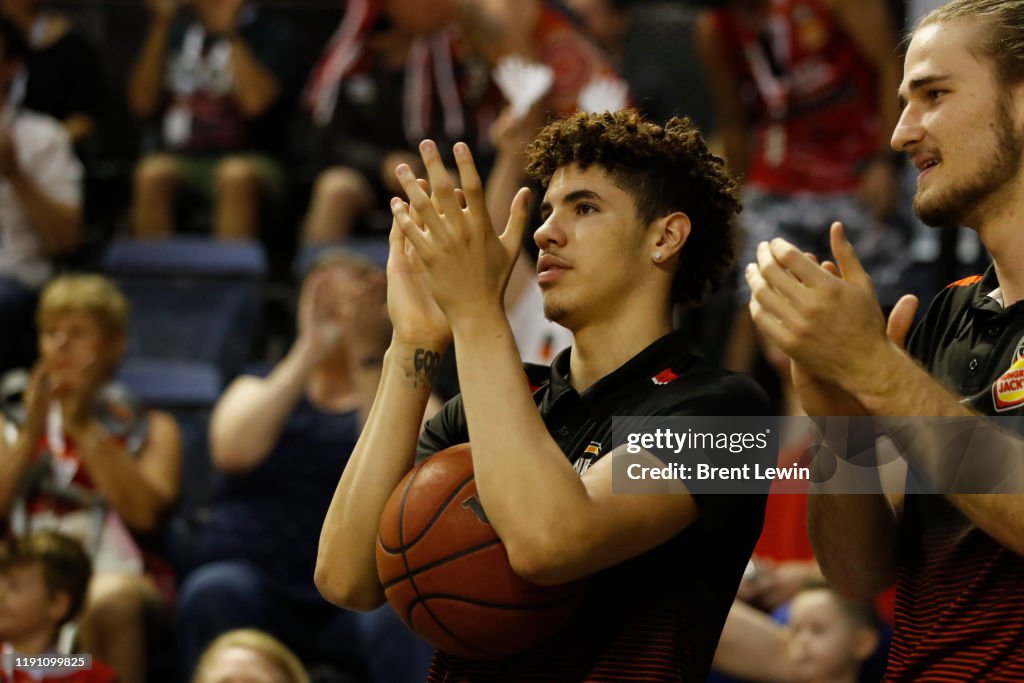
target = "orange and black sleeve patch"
x: 966, y: 282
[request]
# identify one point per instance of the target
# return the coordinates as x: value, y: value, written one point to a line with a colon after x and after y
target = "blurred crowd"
x: 192, y: 331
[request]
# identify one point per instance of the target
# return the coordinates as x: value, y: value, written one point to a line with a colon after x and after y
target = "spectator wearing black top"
x: 365, y: 138
x: 282, y: 440
x: 213, y: 81
x: 636, y: 217
x: 63, y: 74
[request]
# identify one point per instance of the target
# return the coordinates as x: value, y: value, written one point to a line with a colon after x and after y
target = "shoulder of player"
x: 955, y: 296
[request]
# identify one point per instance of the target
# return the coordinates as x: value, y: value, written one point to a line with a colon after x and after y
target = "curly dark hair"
x: 665, y: 169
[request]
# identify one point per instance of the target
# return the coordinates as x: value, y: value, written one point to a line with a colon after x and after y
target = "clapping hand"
x: 467, y: 264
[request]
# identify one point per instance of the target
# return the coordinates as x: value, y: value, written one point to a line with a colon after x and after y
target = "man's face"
x: 26, y: 606
x: 960, y: 126
x: 592, y: 252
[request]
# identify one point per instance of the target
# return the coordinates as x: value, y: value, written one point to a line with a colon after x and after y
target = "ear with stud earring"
x: 657, y: 257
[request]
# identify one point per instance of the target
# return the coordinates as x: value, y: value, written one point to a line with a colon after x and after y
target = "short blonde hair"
x: 96, y: 295
x: 256, y: 641
x: 332, y: 257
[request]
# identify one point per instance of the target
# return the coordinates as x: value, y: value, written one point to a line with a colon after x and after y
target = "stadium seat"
x: 374, y: 249
x: 194, y: 300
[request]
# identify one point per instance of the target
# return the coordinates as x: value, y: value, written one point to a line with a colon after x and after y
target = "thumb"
x: 846, y: 258
x: 512, y: 238
x: 901, y: 319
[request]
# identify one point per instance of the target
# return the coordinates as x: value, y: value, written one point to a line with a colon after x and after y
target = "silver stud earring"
x: 657, y: 256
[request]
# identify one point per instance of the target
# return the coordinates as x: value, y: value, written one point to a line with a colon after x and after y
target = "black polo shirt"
x: 657, y: 616
x: 969, y: 342
x: 959, y: 603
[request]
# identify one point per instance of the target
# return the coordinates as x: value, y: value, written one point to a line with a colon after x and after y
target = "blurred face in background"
x: 74, y: 346
x: 27, y: 608
x: 240, y: 665
x: 825, y: 644
x: 607, y: 24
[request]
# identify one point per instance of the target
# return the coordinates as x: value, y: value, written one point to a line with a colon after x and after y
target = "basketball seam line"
x: 436, y: 563
x: 401, y: 520
x: 405, y: 561
x: 481, y: 603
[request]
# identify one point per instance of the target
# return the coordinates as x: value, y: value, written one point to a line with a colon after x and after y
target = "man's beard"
x: 952, y: 207
x: 555, y: 312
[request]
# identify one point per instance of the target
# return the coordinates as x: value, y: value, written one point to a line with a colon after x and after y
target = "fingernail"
x: 427, y: 146
x: 402, y: 170
x: 461, y: 148
x: 396, y: 203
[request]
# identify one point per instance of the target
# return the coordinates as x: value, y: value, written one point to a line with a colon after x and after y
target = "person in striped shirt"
x: 955, y: 556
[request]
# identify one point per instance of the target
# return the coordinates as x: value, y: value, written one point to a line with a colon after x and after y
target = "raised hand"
x: 416, y: 318
x: 365, y: 317
x: 829, y: 324
x: 826, y: 318
x: 37, y: 400
x: 466, y: 264
x: 320, y: 320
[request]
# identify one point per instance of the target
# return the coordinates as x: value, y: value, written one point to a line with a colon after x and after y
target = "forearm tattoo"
x: 425, y: 364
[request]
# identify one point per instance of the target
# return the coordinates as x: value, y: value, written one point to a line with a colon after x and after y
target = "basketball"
x: 447, y: 575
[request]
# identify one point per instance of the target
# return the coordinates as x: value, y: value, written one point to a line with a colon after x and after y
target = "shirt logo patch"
x: 664, y: 377
x: 1008, y: 389
x: 590, y: 454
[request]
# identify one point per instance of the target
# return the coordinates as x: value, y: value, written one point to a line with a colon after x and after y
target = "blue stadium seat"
x: 189, y: 257
x: 374, y: 249
x: 193, y: 299
x: 171, y: 384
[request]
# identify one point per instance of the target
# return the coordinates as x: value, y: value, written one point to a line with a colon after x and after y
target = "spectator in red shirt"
x: 43, y: 581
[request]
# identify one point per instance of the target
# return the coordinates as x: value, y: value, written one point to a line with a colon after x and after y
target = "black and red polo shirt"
x: 960, y: 594
x: 658, y: 616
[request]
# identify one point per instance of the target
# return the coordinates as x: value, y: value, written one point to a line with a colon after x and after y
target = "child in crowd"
x: 249, y: 656
x: 830, y: 635
x: 43, y: 582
